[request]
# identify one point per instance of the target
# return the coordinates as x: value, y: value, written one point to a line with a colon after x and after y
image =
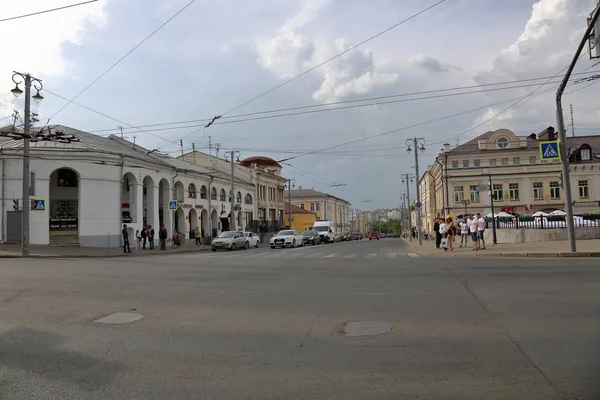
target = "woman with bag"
x: 450, y: 229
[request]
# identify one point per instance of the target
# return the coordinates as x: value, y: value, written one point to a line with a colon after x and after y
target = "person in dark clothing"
x: 151, y: 236
x: 162, y: 235
x: 126, y: 248
x: 438, y: 235
x: 144, y: 235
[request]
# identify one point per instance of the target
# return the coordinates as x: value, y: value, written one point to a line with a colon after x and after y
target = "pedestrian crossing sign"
x: 549, y: 150
x: 172, y: 205
x: 39, y: 205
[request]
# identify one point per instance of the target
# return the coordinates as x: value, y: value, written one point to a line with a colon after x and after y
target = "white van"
x: 325, y: 229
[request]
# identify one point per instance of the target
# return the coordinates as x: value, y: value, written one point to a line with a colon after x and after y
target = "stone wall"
x: 541, y: 235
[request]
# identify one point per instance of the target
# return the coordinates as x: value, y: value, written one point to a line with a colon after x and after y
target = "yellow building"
x: 302, y: 220
x: 521, y: 182
x: 325, y: 206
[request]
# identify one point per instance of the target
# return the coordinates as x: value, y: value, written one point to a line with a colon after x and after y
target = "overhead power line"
x: 47, y: 11
x: 413, y: 16
x: 125, y: 56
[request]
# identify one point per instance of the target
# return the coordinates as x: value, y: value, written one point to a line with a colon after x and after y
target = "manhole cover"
x: 365, y: 328
x: 120, y: 318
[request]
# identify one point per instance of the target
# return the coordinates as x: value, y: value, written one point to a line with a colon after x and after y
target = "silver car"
x: 230, y: 240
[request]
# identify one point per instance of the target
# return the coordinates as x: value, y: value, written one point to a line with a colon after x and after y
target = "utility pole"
x: 290, y: 184
x: 181, y: 144
x: 121, y: 128
x: 194, y: 151
x: 562, y: 137
x: 407, y: 178
x: 572, y: 122
x: 231, y: 155
x: 416, y: 142
x: 209, y: 146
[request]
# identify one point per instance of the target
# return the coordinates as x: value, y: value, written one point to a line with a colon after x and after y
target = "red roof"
x: 260, y: 160
x: 295, y: 209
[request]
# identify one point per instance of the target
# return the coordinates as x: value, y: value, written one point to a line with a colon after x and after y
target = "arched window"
x: 222, y: 195
x: 238, y: 197
x: 502, y: 142
x: 213, y: 193
x: 248, y: 199
x: 203, y: 192
x: 192, y: 191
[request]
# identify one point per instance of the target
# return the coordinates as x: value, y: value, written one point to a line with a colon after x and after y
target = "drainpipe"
x: 212, y: 178
x: 120, y: 210
x: 3, y: 199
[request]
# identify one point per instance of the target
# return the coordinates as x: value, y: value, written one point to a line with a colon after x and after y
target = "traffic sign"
x: 38, y: 205
x: 549, y: 150
x: 172, y: 205
x: 418, y: 204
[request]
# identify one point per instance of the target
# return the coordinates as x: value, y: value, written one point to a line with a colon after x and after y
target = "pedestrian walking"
x: 450, y: 229
x: 464, y: 233
x: 151, y: 237
x: 138, y: 240
x: 162, y: 236
x: 481, y: 230
x: 444, y: 241
x: 144, y: 234
x: 198, y: 236
x: 473, y: 231
x: 438, y: 235
x: 125, y: 233
x: 176, y: 239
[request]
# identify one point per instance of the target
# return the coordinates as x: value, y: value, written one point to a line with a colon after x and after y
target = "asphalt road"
x: 269, y: 324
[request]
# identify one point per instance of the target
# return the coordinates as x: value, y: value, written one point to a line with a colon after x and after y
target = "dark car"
x: 345, y: 237
x: 311, y: 237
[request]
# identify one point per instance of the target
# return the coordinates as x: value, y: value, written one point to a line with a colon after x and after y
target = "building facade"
x: 92, y: 186
x: 509, y: 167
x: 325, y: 206
x: 302, y: 220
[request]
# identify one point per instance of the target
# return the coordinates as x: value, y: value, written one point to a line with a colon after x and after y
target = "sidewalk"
x: 14, y: 251
x: 585, y: 248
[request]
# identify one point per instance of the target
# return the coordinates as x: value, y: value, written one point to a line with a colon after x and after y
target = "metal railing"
x: 550, y: 222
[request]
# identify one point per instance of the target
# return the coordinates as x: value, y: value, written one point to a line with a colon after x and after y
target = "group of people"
x: 473, y: 227
x: 146, y: 236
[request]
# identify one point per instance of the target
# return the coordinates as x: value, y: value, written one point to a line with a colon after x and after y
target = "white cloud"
x: 33, y: 44
x: 309, y: 10
x: 354, y: 73
x: 287, y: 54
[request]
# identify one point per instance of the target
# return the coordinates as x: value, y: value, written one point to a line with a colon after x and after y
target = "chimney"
x: 547, y: 134
x: 446, y: 148
x: 533, y: 136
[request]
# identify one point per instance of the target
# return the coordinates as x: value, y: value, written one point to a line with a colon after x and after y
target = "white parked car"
x: 287, y: 238
x: 252, y: 239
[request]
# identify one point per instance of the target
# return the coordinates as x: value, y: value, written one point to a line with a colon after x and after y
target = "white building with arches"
x: 93, y: 186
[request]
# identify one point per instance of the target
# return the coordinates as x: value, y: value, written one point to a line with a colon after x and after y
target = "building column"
x: 138, y: 203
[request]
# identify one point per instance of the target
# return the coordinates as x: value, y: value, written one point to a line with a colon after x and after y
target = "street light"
x: 37, y: 84
x: 229, y: 157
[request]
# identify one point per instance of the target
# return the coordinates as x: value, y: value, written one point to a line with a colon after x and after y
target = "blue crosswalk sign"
x: 549, y: 150
x: 39, y: 205
x: 172, y: 205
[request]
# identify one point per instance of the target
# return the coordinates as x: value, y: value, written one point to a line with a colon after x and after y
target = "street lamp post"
x: 229, y: 157
x: 37, y: 84
x: 407, y: 178
x: 290, y: 185
x: 419, y: 144
x: 465, y: 202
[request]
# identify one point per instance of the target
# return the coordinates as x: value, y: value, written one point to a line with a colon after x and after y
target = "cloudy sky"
x: 215, y: 56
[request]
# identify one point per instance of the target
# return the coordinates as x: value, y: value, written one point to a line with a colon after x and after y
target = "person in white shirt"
x: 480, y: 231
x: 464, y: 233
x: 473, y: 230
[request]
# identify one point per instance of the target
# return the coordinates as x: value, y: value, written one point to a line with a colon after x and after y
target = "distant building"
x: 302, y: 219
x: 326, y: 206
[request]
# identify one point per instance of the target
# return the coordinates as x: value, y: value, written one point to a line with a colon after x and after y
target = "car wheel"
x: 232, y: 248
x: 246, y: 246
x: 293, y: 243
x: 214, y: 249
x: 257, y: 243
x: 272, y: 247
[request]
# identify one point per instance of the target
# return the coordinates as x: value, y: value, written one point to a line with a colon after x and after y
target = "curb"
x: 122, y: 255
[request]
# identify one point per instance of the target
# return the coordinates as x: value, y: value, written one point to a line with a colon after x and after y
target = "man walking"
x: 438, y: 235
x: 125, y: 233
x: 480, y: 231
x: 144, y: 234
x: 162, y: 236
x: 197, y: 236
